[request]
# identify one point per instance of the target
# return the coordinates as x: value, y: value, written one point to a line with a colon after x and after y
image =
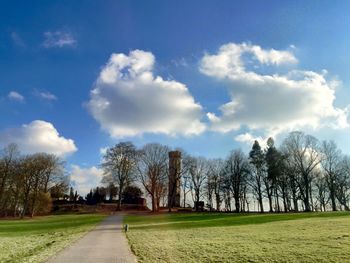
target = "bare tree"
x: 236, y: 171
x: 303, y: 151
x: 274, y: 166
x: 285, y: 181
x: 289, y: 181
x: 321, y: 187
x: 185, y: 184
x: 185, y: 175
x: 9, y: 156
x: 152, y: 169
x: 209, y: 190
x: 343, y: 184
x: 53, y: 171
x: 119, y: 165
x: 59, y: 189
x: 332, y: 165
x: 26, y: 181
x: 216, y: 180
x: 226, y: 191
x: 38, y: 173
x: 198, y: 172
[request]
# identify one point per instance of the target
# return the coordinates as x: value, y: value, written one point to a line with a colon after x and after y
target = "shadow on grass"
x: 47, y: 224
x: 201, y: 220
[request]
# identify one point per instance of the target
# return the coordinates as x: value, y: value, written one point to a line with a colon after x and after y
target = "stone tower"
x: 174, y: 179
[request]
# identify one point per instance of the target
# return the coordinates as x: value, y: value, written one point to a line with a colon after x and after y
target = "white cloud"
x: 83, y: 179
x: 38, y: 136
x: 249, y: 139
x: 17, y: 40
x: 271, y: 103
x: 58, y: 39
x: 45, y: 95
x: 180, y: 62
x: 271, y: 56
x: 103, y: 150
x: 14, y: 95
x: 129, y: 100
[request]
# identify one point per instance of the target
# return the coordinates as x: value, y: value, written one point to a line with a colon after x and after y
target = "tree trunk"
x: 261, y: 206
x: 33, y: 204
x: 306, y: 198
x: 153, y: 203
x: 260, y: 200
x: 158, y: 203
x: 217, y: 198
x: 184, y: 199
x: 237, y: 204
x: 333, y: 201
x: 277, y: 200
x: 197, y: 200
x: 285, y: 205
x: 270, y: 203
x: 119, y: 204
x: 307, y: 201
x: 269, y: 194
x: 294, y: 196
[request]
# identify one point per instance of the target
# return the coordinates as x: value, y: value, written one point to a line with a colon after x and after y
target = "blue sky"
x: 53, y: 54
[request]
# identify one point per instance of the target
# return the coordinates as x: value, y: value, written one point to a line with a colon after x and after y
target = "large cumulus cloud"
x: 262, y: 98
x: 38, y: 136
x: 129, y: 100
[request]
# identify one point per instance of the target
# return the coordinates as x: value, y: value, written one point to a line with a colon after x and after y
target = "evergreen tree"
x: 257, y: 159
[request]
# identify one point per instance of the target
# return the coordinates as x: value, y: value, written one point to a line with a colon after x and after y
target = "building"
x: 174, y: 179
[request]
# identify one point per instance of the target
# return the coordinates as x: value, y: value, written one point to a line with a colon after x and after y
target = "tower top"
x: 175, y: 154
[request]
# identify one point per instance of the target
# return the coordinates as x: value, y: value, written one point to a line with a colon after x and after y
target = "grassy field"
x: 303, y: 237
x: 34, y: 240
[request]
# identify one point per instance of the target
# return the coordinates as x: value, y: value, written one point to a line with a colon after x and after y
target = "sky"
x: 206, y: 76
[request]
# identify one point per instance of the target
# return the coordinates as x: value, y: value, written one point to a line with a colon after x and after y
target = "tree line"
x: 302, y: 174
x: 29, y: 182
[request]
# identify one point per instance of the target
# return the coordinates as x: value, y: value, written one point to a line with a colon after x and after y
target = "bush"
x: 43, y: 204
x: 131, y: 195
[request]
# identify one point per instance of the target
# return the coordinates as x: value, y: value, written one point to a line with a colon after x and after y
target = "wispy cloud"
x: 14, y: 95
x: 58, y: 39
x: 46, y: 95
x: 180, y: 62
x: 17, y: 39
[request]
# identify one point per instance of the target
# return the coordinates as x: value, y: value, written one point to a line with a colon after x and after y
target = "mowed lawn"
x: 204, y: 237
x: 34, y: 240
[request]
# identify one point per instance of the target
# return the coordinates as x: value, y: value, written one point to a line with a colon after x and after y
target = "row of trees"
x: 302, y: 174
x: 28, y: 182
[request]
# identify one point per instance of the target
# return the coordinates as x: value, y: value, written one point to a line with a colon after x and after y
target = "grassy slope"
x: 34, y: 240
x: 304, y: 237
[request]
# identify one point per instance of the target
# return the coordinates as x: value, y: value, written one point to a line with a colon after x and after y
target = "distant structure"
x: 174, y: 179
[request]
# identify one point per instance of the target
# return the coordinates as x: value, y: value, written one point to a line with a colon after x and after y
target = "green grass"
x: 34, y: 240
x: 204, y: 237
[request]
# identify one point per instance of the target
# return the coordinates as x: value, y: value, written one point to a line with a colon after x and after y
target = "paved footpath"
x: 106, y: 243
